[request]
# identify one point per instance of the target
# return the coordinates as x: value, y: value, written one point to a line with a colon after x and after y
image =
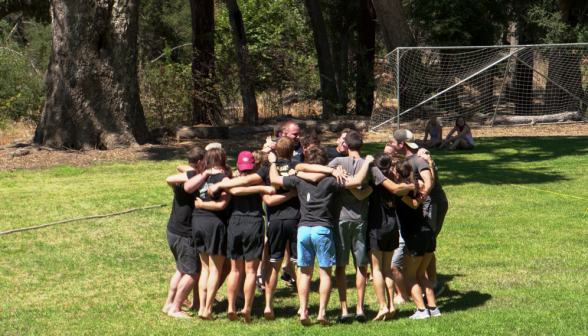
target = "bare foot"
x: 206, y: 316
x: 178, y: 314
x: 390, y: 315
x: 323, y: 321
x: 304, y: 318
x: 381, y: 315
x: 187, y: 303
x: 167, y: 307
x: 195, y: 307
x: 246, y: 316
x: 233, y: 316
x: 399, y: 300
x: 269, y: 315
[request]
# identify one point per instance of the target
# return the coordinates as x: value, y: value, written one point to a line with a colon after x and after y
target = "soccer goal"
x: 488, y: 86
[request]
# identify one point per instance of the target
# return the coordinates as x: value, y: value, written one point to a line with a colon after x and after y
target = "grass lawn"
x: 514, y: 259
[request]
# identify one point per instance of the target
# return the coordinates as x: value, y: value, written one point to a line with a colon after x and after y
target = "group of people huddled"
x: 295, y: 202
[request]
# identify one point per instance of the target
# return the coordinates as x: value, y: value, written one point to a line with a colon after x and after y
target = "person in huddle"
x: 245, y: 237
x: 420, y: 245
x: 209, y: 222
x: 315, y: 230
x: 383, y: 235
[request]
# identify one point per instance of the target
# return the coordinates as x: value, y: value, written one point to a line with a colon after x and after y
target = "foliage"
x: 457, y: 22
x: 22, y: 91
x: 555, y: 28
x: 166, y: 94
x: 514, y: 259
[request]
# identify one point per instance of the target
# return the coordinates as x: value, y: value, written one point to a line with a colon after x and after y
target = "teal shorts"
x: 315, y: 241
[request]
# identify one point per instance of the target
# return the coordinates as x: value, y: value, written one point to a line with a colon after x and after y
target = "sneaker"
x: 435, y: 312
x: 438, y: 288
x: 419, y: 315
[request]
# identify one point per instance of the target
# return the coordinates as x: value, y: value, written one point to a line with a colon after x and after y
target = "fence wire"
x: 488, y: 86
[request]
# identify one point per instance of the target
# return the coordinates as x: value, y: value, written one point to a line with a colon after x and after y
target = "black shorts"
x: 278, y: 232
x: 245, y: 238
x: 187, y: 259
x: 420, y: 243
x: 386, y: 238
x: 210, y: 235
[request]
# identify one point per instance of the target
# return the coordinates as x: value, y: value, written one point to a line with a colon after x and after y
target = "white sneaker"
x: 435, y: 312
x: 419, y: 315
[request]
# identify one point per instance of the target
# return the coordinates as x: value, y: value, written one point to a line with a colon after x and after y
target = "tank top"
x: 434, y: 133
x: 469, y: 138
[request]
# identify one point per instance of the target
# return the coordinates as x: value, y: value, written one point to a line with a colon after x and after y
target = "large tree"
x: 92, y: 98
x: 393, y: 24
x: 244, y: 63
x: 364, y: 90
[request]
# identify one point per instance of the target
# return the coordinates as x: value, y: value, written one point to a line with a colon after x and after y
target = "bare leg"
x: 400, y: 284
x: 249, y: 288
x: 233, y: 287
x: 196, y: 297
x: 214, y: 267
x: 271, y: 282
x: 304, y: 277
x: 360, y: 283
x: 387, y: 273
x: 265, y: 264
x: 432, y: 270
x: 173, y: 287
x: 424, y: 282
x: 324, y: 294
x: 379, y: 284
x: 202, y: 288
x: 459, y: 144
x: 411, y: 265
x: 342, y: 288
x: 224, y: 272
x: 184, y: 288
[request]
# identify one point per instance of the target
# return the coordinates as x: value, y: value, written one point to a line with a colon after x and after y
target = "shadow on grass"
x: 491, y: 153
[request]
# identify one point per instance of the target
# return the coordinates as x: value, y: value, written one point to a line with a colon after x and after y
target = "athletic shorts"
x: 187, y: 259
x: 315, y: 241
x: 385, y: 238
x: 420, y: 243
x: 245, y: 238
x: 435, y: 215
x: 279, y: 232
x: 210, y: 235
x: 351, y: 237
x: 398, y: 257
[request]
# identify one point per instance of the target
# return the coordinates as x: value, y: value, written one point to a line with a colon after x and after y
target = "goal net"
x: 488, y: 86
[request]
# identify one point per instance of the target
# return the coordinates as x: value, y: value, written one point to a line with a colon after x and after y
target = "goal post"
x: 488, y: 86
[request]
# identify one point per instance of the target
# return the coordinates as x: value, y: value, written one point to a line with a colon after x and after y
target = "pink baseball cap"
x: 246, y: 161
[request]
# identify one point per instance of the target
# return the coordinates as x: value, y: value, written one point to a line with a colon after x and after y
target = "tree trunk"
x: 244, y: 63
x: 323, y: 54
x: 203, y: 60
x: 92, y: 98
x: 365, y: 84
x: 393, y: 23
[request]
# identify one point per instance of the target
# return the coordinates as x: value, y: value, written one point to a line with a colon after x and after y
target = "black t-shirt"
x: 298, y: 156
x: 289, y: 209
x: 180, y: 220
x: 247, y: 205
x: 382, y: 206
x: 314, y: 199
x: 202, y: 193
x: 411, y: 220
x: 332, y: 153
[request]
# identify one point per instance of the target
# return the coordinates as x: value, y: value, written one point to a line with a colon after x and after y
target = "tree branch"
x: 160, y: 56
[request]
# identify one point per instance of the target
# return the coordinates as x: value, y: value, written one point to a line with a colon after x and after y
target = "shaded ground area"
x: 177, y: 149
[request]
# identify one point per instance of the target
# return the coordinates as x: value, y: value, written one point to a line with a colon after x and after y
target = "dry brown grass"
x: 17, y: 130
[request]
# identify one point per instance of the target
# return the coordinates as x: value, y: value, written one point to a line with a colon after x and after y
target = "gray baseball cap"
x: 406, y: 136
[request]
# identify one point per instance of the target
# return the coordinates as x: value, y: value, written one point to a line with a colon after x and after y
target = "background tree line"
x: 258, y: 53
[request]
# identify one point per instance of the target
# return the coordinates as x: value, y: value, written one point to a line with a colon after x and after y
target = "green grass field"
x: 514, y: 259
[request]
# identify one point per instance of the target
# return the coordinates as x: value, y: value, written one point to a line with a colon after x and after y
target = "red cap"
x: 246, y: 161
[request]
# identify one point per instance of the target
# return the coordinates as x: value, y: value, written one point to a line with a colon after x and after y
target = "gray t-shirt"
x: 436, y: 195
x: 345, y: 205
x: 314, y: 199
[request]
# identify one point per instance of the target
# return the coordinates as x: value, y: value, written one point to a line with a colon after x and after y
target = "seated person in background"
x: 463, y: 139
x: 434, y: 130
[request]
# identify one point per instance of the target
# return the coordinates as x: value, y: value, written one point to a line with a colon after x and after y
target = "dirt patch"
x: 39, y: 158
